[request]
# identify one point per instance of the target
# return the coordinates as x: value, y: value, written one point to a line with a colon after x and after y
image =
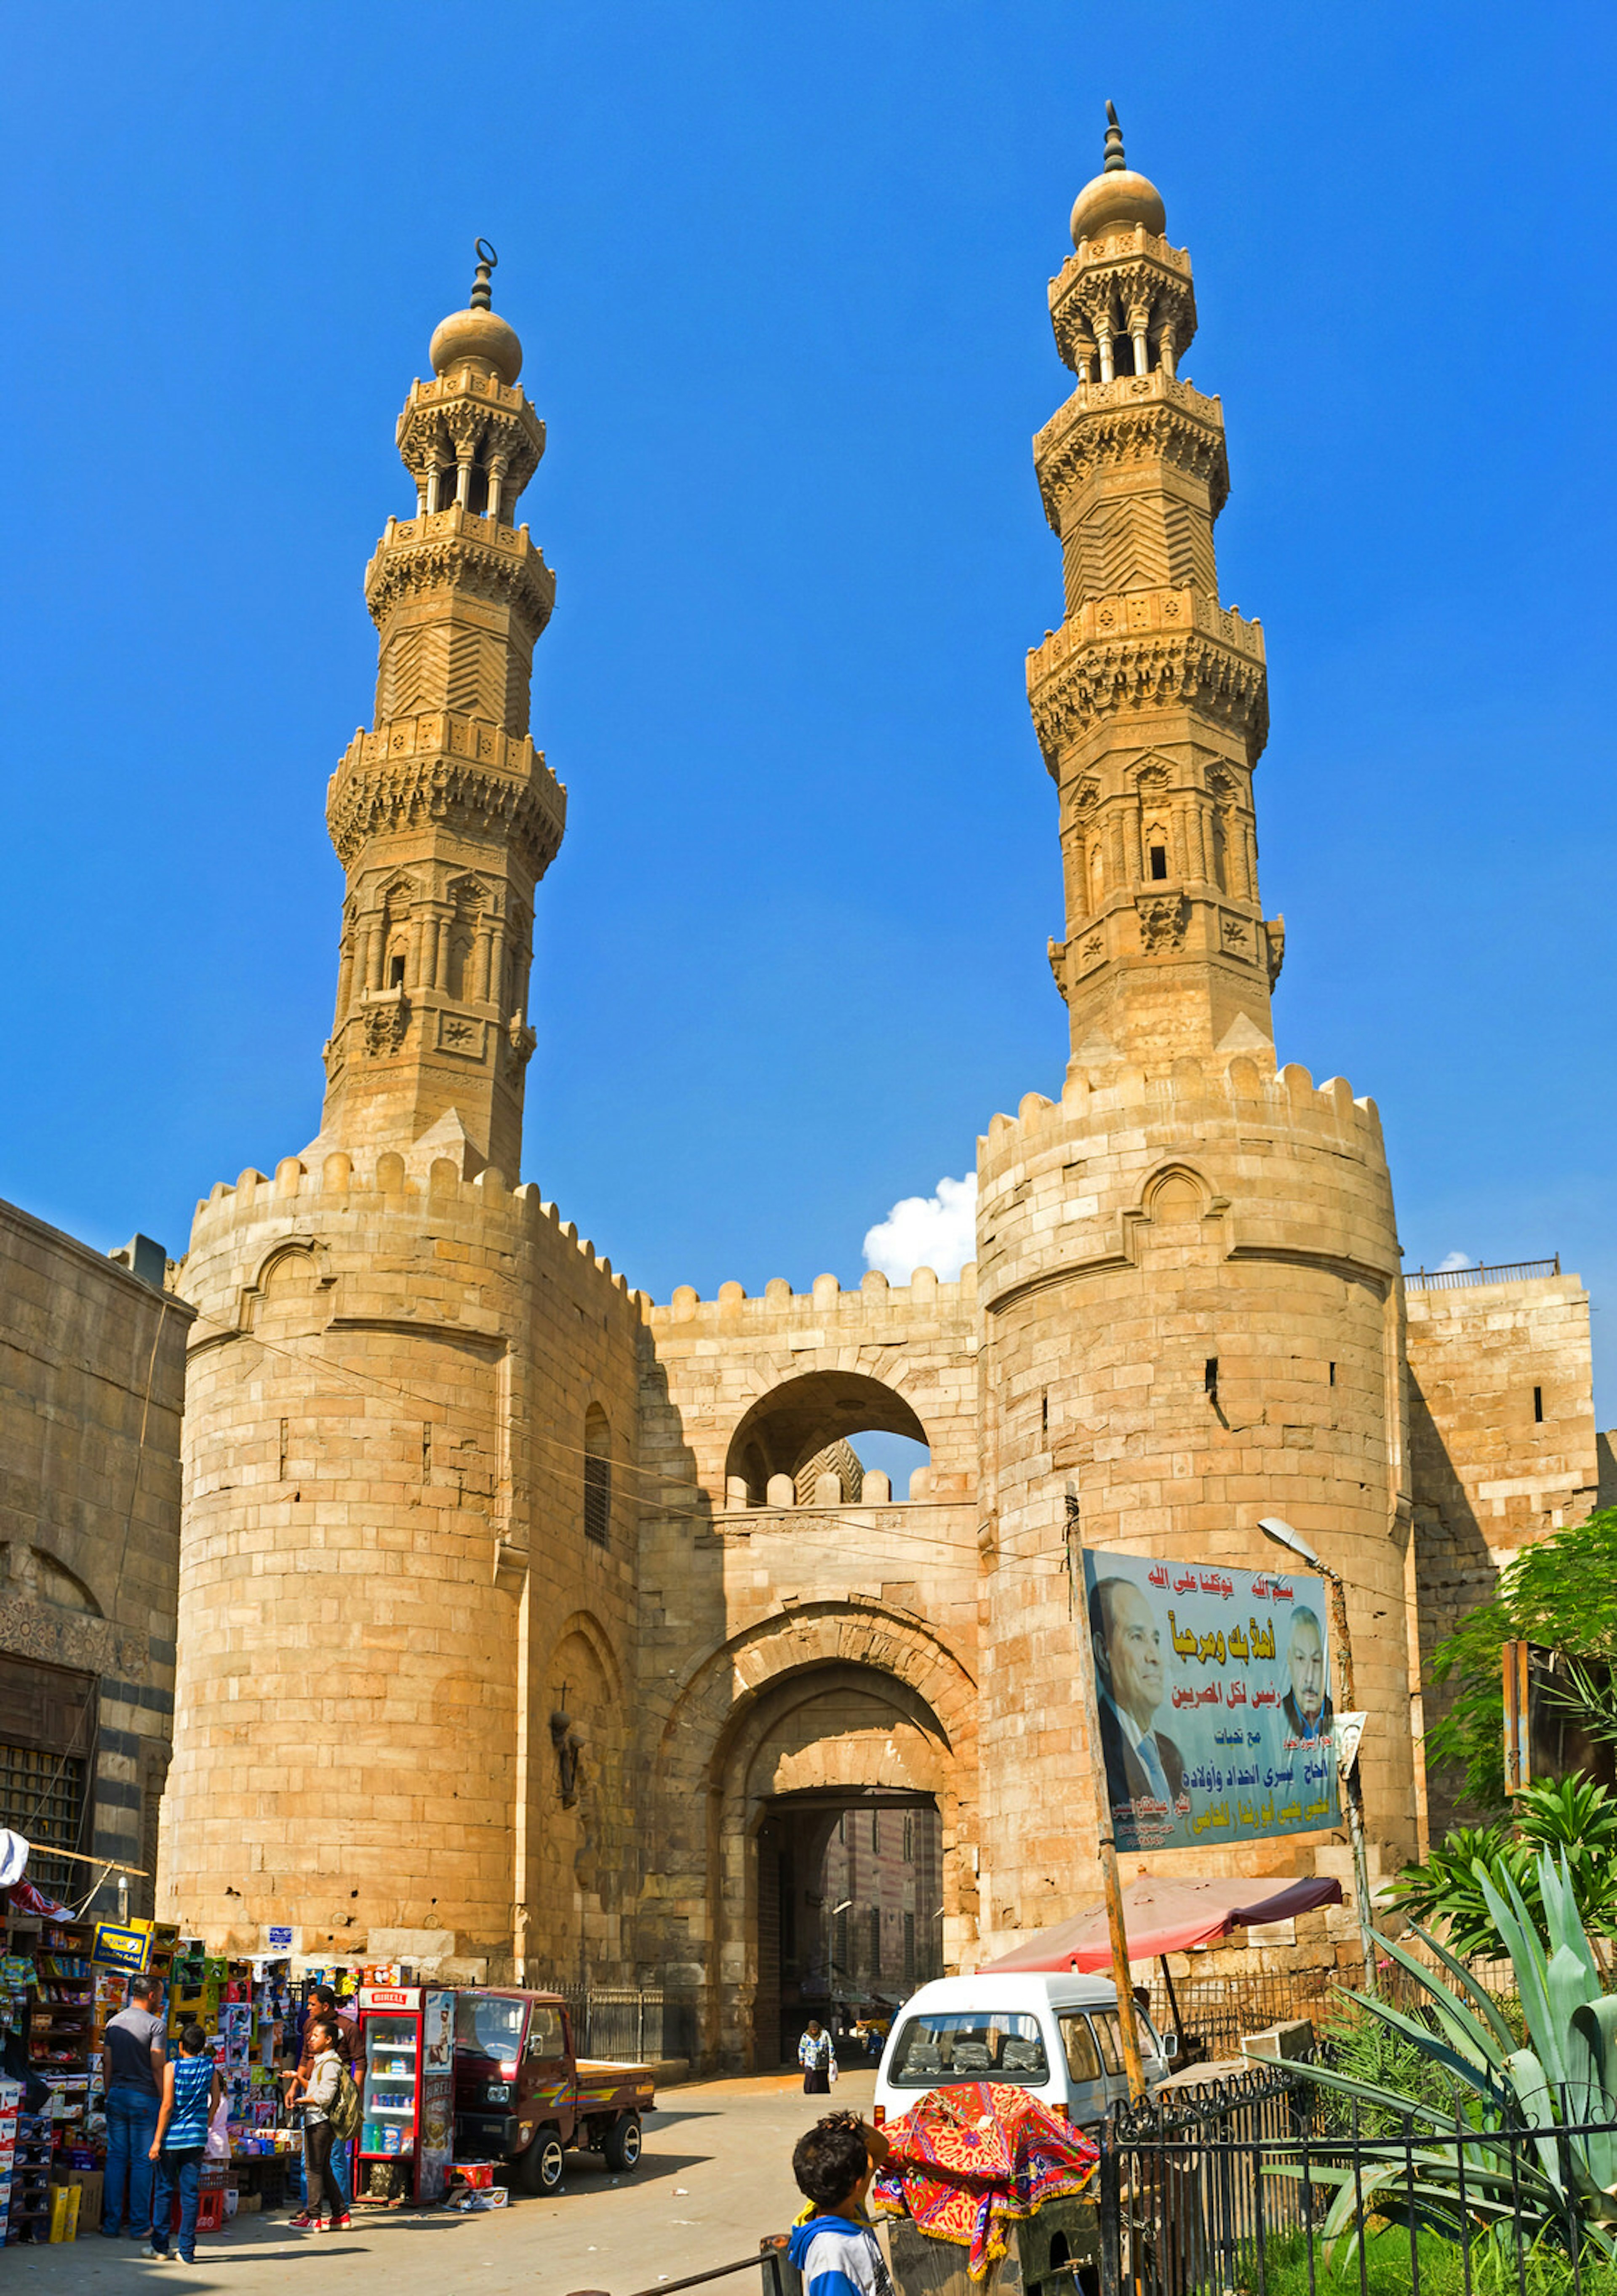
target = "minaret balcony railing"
x: 1142, y: 613
x: 1132, y: 418
x: 1125, y: 391
x: 1118, y: 246
x: 447, y: 548
x: 463, y: 383
x: 443, y: 770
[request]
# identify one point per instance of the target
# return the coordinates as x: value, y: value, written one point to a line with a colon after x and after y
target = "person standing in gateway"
x: 136, y: 2061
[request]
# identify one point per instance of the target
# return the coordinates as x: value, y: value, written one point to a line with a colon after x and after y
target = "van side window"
x: 1105, y: 2022
x: 1079, y: 2042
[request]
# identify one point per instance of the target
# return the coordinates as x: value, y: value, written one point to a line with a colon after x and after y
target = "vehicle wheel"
x: 622, y: 2149
x: 540, y: 2164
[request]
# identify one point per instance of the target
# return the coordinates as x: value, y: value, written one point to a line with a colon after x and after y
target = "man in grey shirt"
x: 133, y: 2075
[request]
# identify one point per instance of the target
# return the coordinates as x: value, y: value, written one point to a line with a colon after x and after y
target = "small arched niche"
x: 39, y: 1576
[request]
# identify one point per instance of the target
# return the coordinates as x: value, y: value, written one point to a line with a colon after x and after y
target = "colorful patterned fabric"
x: 967, y: 2161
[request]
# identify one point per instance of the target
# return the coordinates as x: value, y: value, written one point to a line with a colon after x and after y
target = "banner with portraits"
x: 1214, y: 1691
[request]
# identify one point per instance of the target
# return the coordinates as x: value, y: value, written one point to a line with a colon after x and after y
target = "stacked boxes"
x: 11, y: 2101
x: 30, y: 2209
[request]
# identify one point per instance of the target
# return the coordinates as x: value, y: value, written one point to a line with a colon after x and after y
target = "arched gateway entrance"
x: 835, y: 1710
x: 849, y: 1910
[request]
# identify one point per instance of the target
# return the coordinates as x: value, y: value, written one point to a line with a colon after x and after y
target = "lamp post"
x: 1272, y: 1526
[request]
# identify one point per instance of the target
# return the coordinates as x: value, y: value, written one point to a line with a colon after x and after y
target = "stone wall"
x: 793, y: 1650
x: 92, y: 1371
x: 1503, y: 1449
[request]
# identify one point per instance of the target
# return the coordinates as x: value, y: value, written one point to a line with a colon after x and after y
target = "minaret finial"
x: 482, y: 294
x: 1115, y: 142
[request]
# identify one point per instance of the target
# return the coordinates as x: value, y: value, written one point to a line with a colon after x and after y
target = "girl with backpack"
x: 326, y: 2101
x: 193, y: 2085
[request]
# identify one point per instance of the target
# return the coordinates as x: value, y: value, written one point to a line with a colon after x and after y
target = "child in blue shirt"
x: 833, y: 2247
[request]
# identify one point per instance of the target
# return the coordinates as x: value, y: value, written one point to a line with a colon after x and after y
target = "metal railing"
x: 632, y: 2024
x: 1216, y: 2013
x: 1458, y: 1279
x: 1275, y: 2186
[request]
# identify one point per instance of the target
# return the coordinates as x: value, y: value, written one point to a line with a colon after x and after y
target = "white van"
x: 1054, y: 2035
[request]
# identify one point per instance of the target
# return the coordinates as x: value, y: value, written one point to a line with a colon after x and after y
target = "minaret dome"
x: 1117, y: 195
x: 477, y: 336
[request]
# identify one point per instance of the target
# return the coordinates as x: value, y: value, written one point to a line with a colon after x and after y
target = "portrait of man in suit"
x: 1142, y: 1764
x: 1306, y: 1709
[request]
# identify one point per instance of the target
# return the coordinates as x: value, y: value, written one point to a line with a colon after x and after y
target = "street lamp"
x: 1273, y: 1527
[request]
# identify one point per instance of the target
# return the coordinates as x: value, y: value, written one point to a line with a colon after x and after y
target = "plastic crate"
x: 209, y: 2212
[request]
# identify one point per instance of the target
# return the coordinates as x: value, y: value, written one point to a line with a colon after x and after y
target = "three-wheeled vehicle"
x: 522, y: 2095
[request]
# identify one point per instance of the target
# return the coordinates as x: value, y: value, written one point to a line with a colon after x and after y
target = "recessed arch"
x: 785, y: 1428
x: 721, y: 1753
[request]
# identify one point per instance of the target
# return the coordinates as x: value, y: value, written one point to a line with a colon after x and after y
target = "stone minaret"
x: 1150, y: 701
x: 1188, y: 1265
x: 444, y: 817
x: 400, y: 1358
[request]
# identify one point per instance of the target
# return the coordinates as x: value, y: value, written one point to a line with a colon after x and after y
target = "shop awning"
x: 1168, y: 1914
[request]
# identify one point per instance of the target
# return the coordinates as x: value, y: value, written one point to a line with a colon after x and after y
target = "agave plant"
x: 1516, y: 2144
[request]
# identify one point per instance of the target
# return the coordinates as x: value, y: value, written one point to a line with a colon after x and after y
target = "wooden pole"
x: 1103, y: 1815
x: 1352, y: 1792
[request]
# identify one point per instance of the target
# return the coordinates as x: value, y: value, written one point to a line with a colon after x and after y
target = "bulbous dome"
x: 1117, y: 195
x: 478, y: 337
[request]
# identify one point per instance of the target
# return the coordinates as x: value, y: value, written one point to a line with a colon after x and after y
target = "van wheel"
x: 621, y: 2149
x: 540, y: 2164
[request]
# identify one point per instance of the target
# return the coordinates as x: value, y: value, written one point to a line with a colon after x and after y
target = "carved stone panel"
x: 463, y: 1033
x: 1162, y: 919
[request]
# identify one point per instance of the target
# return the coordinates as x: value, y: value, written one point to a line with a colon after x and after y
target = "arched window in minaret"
x: 1156, y: 849
x: 469, y: 900
x: 1097, y: 876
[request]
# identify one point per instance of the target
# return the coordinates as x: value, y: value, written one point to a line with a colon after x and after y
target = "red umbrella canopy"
x: 1168, y: 1914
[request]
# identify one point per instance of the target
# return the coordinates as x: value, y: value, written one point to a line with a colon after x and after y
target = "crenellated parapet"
x: 1281, y: 1169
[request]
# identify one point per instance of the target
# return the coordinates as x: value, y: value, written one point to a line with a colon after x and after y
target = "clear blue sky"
x: 781, y: 276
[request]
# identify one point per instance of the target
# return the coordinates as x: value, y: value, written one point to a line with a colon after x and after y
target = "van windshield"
x: 488, y: 2025
x: 969, y: 2045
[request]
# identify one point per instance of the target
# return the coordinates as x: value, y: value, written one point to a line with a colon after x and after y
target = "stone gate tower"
x: 1188, y: 1267
x: 362, y: 1746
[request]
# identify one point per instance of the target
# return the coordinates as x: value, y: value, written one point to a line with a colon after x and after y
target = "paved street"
x: 715, y: 2176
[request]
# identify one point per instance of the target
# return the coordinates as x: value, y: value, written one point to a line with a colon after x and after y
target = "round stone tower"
x: 1188, y: 1265
x: 351, y: 1731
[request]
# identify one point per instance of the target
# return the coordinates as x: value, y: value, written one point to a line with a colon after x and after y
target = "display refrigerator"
x: 406, y: 2068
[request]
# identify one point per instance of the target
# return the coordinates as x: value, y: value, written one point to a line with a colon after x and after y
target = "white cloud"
x: 936, y: 1232
x: 1455, y: 1260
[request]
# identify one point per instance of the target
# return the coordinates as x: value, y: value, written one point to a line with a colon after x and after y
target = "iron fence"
x: 1460, y: 1279
x: 632, y: 2024
x: 1212, y: 2014
x: 1270, y: 2184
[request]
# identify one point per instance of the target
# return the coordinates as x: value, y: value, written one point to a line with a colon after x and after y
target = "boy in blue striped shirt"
x: 193, y: 2085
